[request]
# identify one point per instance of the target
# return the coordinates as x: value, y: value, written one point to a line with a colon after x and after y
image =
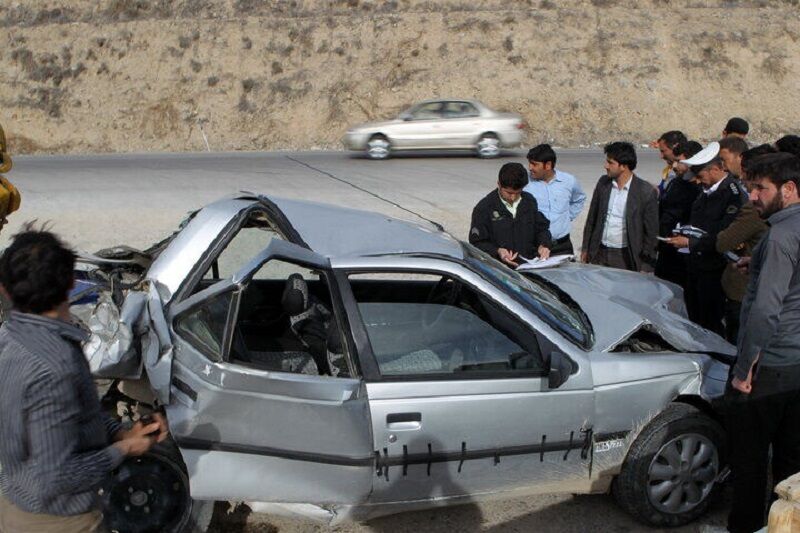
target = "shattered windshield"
x: 538, y: 295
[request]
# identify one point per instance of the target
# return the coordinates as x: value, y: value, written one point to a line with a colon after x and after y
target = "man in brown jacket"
x: 740, y: 237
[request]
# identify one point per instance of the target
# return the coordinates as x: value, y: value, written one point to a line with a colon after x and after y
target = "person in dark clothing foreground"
x: 507, y: 224
x: 56, y: 445
x: 763, y: 396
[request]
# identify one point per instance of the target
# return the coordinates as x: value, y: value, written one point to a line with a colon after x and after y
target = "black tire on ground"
x: 150, y: 494
x: 681, y: 431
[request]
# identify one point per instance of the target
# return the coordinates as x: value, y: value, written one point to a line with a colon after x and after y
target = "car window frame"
x: 366, y: 355
x: 421, y: 105
x: 476, y: 114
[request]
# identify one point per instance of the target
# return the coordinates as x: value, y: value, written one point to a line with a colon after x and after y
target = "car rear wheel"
x: 378, y: 147
x: 488, y: 146
x: 150, y: 494
x: 670, y: 472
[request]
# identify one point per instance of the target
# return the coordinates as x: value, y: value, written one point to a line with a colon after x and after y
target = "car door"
x: 422, y: 129
x: 459, y: 398
x: 251, y: 434
x: 461, y: 126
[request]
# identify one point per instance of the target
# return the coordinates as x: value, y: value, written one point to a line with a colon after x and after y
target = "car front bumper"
x: 355, y: 140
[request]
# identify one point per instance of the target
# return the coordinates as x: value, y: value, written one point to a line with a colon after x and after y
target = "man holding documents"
x: 507, y: 223
x: 713, y: 211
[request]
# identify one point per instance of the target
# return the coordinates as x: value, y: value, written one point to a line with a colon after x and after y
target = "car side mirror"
x: 405, y: 117
x: 560, y: 370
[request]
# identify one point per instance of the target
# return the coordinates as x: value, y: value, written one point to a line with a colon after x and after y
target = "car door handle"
x: 401, y: 421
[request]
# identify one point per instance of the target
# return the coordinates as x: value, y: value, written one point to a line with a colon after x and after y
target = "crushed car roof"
x: 329, y: 231
x: 334, y: 231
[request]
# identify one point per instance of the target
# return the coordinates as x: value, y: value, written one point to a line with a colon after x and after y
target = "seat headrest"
x: 295, y: 295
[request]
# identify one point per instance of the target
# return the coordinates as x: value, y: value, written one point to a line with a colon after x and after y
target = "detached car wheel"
x: 488, y: 146
x: 378, y: 147
x: 150, y: 494
x: 671, y: 469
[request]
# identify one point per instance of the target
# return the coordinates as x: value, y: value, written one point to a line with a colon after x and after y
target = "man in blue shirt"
x: 558, y: 195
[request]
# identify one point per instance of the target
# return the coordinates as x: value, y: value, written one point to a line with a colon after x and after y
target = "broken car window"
x: 285, y: 323
x: 204, y: 326
x: 252, y: 238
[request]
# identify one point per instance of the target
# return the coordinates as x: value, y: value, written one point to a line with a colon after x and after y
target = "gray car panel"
x: 228, y: 417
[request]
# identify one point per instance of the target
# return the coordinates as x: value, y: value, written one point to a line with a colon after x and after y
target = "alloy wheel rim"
x: 488, y: 147
x: 378, y: 148
x: 682, y: 473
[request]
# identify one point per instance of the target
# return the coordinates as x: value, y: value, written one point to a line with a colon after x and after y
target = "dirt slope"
x: 159, y: 75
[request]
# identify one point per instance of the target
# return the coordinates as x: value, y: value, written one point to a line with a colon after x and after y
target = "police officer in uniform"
x: 712, y: 211
x: 507, y: 223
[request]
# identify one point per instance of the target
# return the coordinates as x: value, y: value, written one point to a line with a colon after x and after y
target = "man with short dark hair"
x: 56, y: 445
x: 712, y: 211
x: 622, y: 223
x: 666, y: 145
x: 736, y: 127
x: 789, y: 144
x: 507, y: 223
x: 674, y: 209
x: 730, y: 151
x: 763, y: 397
x: 558, y: 196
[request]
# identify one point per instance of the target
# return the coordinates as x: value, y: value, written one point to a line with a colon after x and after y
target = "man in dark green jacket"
x: 507, y: 223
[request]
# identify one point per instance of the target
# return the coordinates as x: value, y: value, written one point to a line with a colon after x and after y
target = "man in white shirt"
x: 622, y: 223
x: 558, y: 195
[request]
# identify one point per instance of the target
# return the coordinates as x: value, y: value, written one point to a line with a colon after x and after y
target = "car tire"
x: 151, y: 493
x: 669, y: 475
x: 488, y: 146
x: 378, y: 147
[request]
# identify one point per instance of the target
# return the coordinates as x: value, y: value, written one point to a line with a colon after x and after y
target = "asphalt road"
x: 99, y: 201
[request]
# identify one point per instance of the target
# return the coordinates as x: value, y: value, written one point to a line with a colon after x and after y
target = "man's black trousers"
x: 705, y: 299
x: 562, y: 246
x: 769, y: 415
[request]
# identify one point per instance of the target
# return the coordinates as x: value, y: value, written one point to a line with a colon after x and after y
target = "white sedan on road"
x: 444, y: 124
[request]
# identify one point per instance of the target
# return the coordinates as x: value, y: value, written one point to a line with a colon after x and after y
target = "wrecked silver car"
x: 341, y: 364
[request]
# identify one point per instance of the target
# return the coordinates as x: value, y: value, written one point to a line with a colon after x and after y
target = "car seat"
x: 309, y: 320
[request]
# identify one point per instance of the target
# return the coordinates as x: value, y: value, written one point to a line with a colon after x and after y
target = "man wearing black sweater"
x: 507, y: 224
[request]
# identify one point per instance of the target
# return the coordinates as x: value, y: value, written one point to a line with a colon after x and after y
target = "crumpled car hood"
x: 619, y: 302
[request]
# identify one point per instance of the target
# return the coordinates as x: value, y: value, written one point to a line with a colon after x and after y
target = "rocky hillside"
x: 169, y: 75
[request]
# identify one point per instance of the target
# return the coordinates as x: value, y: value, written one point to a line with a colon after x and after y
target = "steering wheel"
x: 442, y: 295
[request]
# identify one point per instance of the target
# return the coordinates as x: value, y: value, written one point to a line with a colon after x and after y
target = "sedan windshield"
x: 539, y: 296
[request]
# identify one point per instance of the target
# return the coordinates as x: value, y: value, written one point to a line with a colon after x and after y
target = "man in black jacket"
x: 712, y: 211
x: 674, y: 207
x: 622, y: 223
x: 507, y: 224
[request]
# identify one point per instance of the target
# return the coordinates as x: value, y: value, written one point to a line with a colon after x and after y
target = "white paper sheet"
x: 552, y: 261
